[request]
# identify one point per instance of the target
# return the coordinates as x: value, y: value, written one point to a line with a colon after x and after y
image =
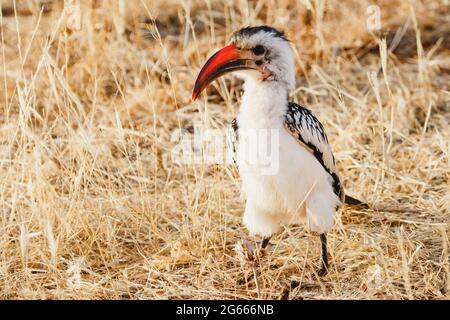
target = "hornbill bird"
x: 306, y: 186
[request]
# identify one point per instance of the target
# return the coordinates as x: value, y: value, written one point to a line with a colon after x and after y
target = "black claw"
x: 285, y: 294
x: 322, y: 272
x: 265, y: 242
x: 294, y: 284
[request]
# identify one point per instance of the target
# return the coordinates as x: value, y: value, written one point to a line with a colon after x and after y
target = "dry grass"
x: 93, y: 207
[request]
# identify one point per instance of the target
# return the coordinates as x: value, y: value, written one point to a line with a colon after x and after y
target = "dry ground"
x: 91, y: 205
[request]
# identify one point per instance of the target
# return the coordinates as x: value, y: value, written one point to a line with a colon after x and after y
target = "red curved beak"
x: 225, y: 60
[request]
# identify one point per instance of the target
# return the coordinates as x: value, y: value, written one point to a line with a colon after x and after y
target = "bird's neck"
x: 263, y: 105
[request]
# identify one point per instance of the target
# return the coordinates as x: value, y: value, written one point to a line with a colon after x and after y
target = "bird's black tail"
x: 355, y: 202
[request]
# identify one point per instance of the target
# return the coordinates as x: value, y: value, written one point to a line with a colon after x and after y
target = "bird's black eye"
x: 258, y: 50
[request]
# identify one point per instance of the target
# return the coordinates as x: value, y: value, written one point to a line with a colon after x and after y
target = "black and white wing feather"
x: 308, y: 130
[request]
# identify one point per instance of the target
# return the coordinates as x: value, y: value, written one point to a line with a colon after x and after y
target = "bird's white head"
x: 260, y: 54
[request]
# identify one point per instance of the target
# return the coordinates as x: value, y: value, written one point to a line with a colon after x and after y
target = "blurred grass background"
x: 92, y: 207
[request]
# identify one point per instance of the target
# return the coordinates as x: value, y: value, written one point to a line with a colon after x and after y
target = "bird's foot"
x: 294, y: 284
x: 260, y: 251
x: 322, y: 271
x: 288, y: 289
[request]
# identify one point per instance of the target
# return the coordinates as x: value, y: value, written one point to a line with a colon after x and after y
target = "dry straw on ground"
x: 93, y: 207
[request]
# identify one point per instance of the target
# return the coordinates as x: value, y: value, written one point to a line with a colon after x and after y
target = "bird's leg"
x: 324, y: 269
x: 265, y: 242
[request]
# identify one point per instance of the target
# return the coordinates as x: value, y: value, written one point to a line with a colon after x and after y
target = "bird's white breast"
x: 279, y: 196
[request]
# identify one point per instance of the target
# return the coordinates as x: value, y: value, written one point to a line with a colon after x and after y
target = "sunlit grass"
x: 92, y: 205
